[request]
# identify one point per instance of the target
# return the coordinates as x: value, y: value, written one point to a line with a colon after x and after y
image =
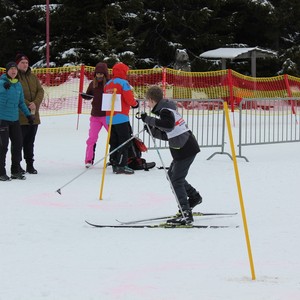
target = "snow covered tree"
x: 147, y: 33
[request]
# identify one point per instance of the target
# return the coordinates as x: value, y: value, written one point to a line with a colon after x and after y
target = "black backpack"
x: 135, y: 160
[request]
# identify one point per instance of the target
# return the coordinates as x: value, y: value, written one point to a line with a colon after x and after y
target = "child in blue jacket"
x: 11, y: 100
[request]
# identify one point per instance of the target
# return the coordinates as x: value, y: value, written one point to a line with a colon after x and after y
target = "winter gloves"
x: 143, y: 116
x: 30, y: 119
x: 137, y: 105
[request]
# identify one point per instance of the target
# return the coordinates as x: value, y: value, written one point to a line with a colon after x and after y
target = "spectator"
x: 98, y: 116
x: 11, y: 100
x: 121, y: 129
x: 34, y: 94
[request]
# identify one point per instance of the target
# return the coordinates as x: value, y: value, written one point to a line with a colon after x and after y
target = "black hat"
x: 11, y: 64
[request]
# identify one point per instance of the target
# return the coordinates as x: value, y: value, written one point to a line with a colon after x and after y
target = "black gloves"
x: 31, y: 119
x: 137, y: 105
x: 6, y: 85
x: 143, y: 116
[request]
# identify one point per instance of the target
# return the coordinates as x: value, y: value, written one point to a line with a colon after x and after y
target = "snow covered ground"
x: 48, y: 252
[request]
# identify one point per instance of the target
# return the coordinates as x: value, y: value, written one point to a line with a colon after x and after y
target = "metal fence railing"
x: 205, y: 118
x: 268, y: 121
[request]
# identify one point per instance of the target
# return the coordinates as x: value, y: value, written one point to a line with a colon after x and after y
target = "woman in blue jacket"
x: 11, y: 100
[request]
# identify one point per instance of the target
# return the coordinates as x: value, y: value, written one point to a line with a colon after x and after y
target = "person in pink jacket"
x: 98, y: 116
x: 120, y: 129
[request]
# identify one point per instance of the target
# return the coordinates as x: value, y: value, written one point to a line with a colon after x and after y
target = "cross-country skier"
x: 183, y: 146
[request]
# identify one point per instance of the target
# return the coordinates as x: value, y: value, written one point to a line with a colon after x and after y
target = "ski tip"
x: 58, y: 191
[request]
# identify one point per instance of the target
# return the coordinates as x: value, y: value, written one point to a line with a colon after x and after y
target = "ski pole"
x: 97, y: 162
x: 166, y: 172
x: 84, y: 94
x: 86, y: 97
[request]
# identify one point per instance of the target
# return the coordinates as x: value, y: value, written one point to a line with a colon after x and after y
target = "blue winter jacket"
x: 11, y: 100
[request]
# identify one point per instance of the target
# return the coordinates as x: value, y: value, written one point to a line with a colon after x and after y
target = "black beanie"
x: 11, y: 64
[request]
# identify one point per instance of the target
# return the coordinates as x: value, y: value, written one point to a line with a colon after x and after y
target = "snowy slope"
x: 48, y: 252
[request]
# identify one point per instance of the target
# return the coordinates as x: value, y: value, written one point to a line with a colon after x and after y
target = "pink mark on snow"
x: 131, y: 283
x: 46, y: 199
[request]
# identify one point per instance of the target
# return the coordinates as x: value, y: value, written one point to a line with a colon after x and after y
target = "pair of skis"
x: 137, y: 223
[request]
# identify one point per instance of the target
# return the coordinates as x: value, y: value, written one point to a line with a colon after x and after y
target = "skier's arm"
x: 157, y: 133
x: 89, y: 92
x: 166, y: 122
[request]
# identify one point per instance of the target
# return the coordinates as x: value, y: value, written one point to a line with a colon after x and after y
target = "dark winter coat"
x: 95, y: 89
x: 181, y: 146
x: 33, y: 92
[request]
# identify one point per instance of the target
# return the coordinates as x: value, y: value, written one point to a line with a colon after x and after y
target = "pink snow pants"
x: 96, y: 124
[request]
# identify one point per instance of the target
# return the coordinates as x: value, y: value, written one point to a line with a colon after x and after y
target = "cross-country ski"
x: 161, y: 225
x: 195, y: 214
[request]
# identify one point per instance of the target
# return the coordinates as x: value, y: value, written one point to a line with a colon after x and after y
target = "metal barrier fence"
x: 268, y: 121
x: 205, y: 118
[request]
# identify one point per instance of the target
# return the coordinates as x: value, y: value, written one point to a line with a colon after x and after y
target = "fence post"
x: 47, y: 76
x: 81, y: 80
x: 164, y: 80
x: 289, y: 92
x: 79, y: 106
x: 230, y: 86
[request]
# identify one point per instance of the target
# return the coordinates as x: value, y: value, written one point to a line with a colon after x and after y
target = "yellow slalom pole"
x: 107, y: 141
x: 239, y: 190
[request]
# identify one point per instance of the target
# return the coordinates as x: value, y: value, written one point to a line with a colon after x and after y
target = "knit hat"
x: 101, y: 68
x: 9, y: 65
x: 21, y: 56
